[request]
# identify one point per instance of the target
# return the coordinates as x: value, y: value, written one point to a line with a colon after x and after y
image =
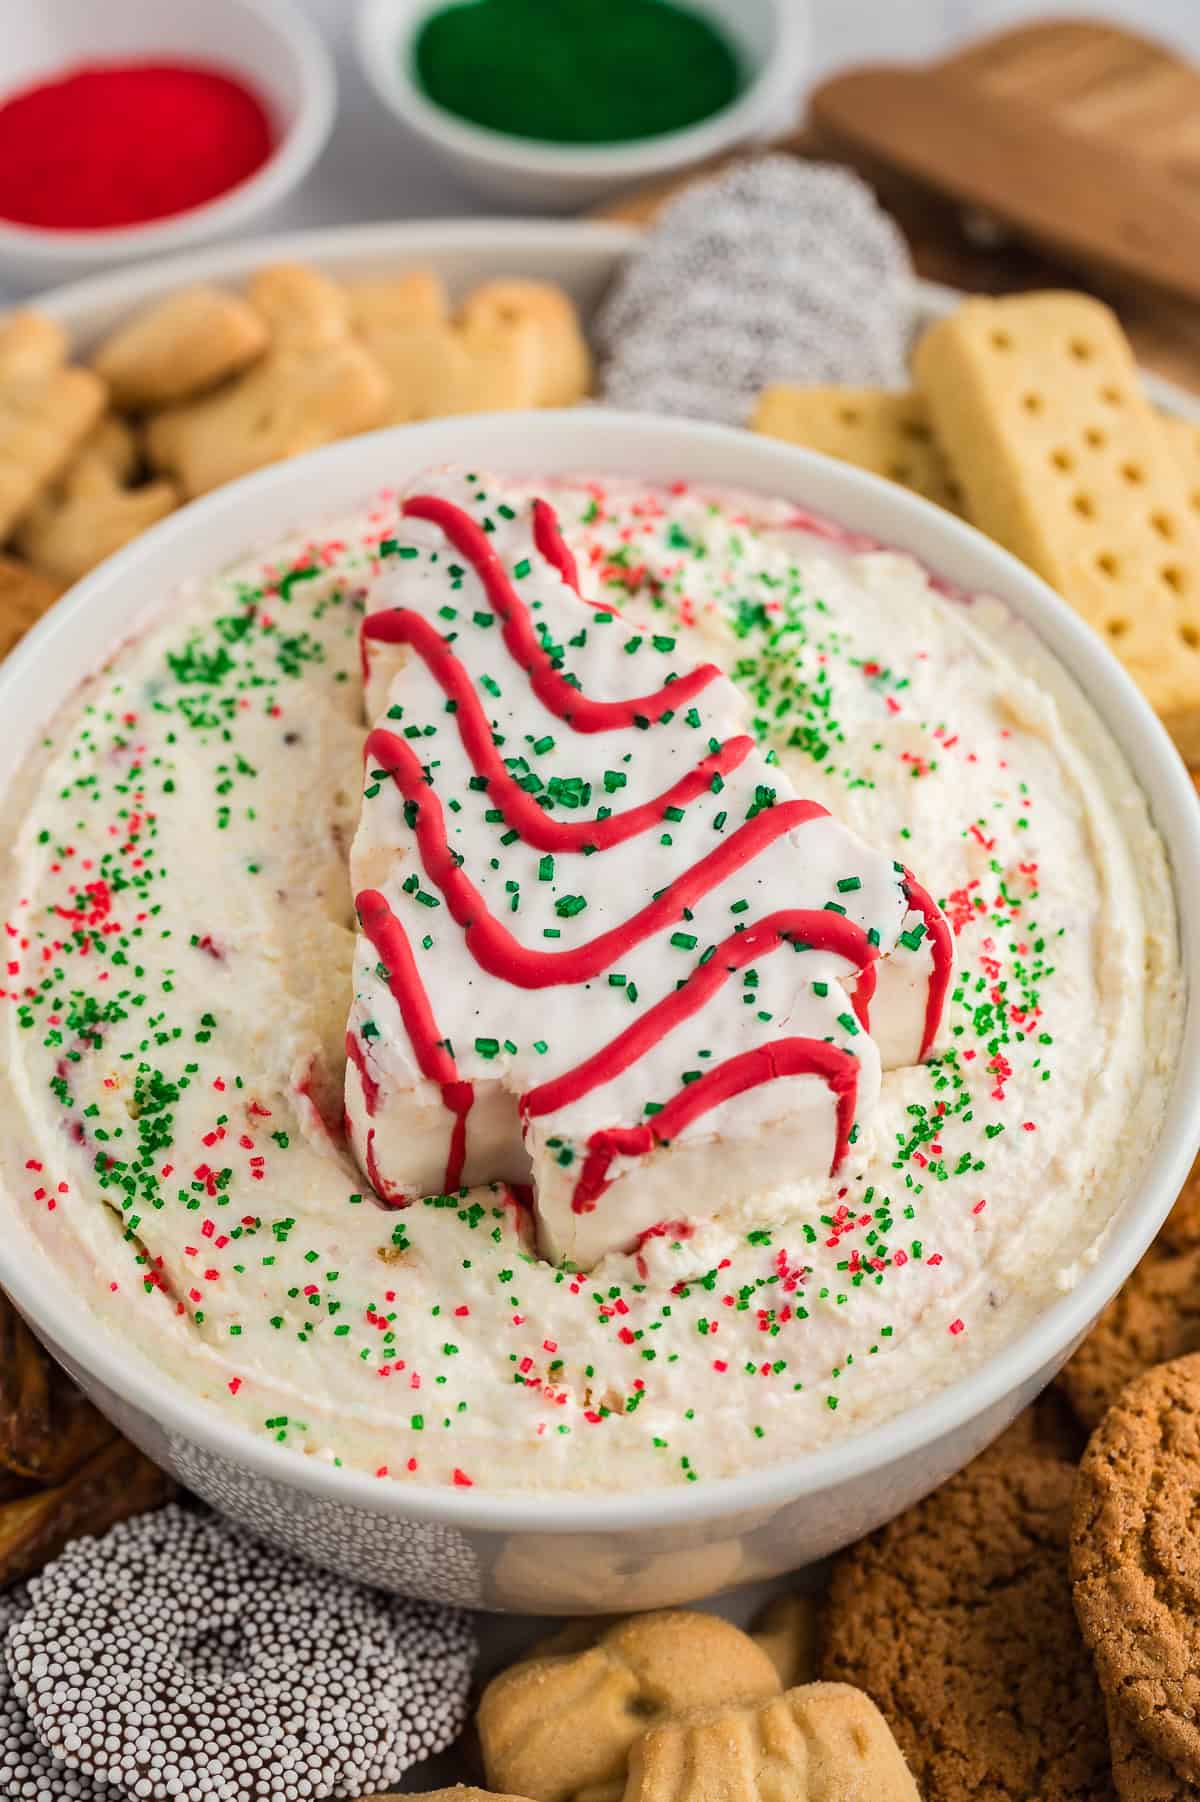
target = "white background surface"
x: 370, y: 172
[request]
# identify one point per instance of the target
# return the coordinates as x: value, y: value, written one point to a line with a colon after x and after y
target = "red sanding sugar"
x: 112, y: 144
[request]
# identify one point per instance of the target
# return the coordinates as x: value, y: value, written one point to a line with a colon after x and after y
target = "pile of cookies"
x: 208, y: 385
x: 64, y: 1469
x: 1027, y: 415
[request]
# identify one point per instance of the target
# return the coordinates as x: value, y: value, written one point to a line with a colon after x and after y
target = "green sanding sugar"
x: 576, y: 71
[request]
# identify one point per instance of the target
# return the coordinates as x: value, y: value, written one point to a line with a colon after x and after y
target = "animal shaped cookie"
x: 561, y: 1726
x: 46, y: 410
x: 94, y: 508
x: 825, y: 1742
x: 179, y: 347
x: 315, y: 383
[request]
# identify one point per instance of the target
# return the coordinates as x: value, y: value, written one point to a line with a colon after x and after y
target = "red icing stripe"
x: 816, y: 928
x: 941, y: 946
x: 492, y: 945
x: 356, y: 1056
x: 389, y: 938
x: 748, y: 1070
x: 554, y: 548
x: 400, y: 625
x: 578, y: 710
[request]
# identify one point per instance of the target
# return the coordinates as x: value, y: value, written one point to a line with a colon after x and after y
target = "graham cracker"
x: 1037, y: 403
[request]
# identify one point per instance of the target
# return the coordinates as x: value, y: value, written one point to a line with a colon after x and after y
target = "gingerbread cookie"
x: 1048, y: 1428
x: 1135, y: 1559
x: 1181, y: 1227
x: 957, y: 1619
x: 825, y: 1742
x: 1154, y: 1317
x: 1139, y: 1775
x: 562, y: 1726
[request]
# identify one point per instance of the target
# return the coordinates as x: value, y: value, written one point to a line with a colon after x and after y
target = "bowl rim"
x: 393, y: 81
x: 287, y: 165
x: 842, y: 491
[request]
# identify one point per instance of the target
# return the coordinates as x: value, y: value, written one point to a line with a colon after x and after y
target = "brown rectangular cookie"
x: 887, y: 433
x: 1037, y: 402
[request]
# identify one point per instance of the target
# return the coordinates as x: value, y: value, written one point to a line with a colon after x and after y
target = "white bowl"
x: 770, y: 34
x: 593, y: 1551
x: 268, y: 42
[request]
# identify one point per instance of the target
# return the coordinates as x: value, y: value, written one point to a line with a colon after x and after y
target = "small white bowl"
x: 269, y: 43
x: 769, y: 34
x: 595, y: 1551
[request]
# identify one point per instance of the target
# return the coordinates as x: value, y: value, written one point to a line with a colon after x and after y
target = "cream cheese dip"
x: 181, y: 946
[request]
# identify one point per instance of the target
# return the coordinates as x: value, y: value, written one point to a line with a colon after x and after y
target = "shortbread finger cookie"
x: 1135, y: 1559
x: 180, y: 347
x: 1183, y: 436
x: 825, y: 1742
x: 25, y: 594
x: 957, y: 1619
x: 1155, y: 1316
x: 874, y: 428
x: 314, y: 384
x: 46, y: 411
x: 553, y: 1728
x: 1037, y: 402
x: 565, y: 373
x: 93, y: 509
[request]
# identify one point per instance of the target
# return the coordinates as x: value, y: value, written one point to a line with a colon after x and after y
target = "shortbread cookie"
x: 314, y: 384
x: 93, y: 509
x: 555, y: 1727
x: 565, y: 362
x: 1140, y: 1775
x: 25, y: 594
x: 1183, y: 436
x: 1135, y: 1559
x: 1037, y: 402
x: 878, y: 429
x: 1155, y: 1316
x: 180, y: 347
x: 46, y: 411
x: 788, y: 1630
x: 1181, y: 1227
x: 825, y: 1742
x: 957, y: 1619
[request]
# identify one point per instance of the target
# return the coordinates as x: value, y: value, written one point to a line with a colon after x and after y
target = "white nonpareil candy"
x: 604, y: 947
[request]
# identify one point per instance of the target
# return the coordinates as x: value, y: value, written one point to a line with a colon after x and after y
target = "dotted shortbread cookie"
x: 878, y: 429
x: 1037, y: 402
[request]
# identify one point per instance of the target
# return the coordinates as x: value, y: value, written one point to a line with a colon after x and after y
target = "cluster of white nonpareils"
x: 177, y: 1658
x: 779, y: 271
